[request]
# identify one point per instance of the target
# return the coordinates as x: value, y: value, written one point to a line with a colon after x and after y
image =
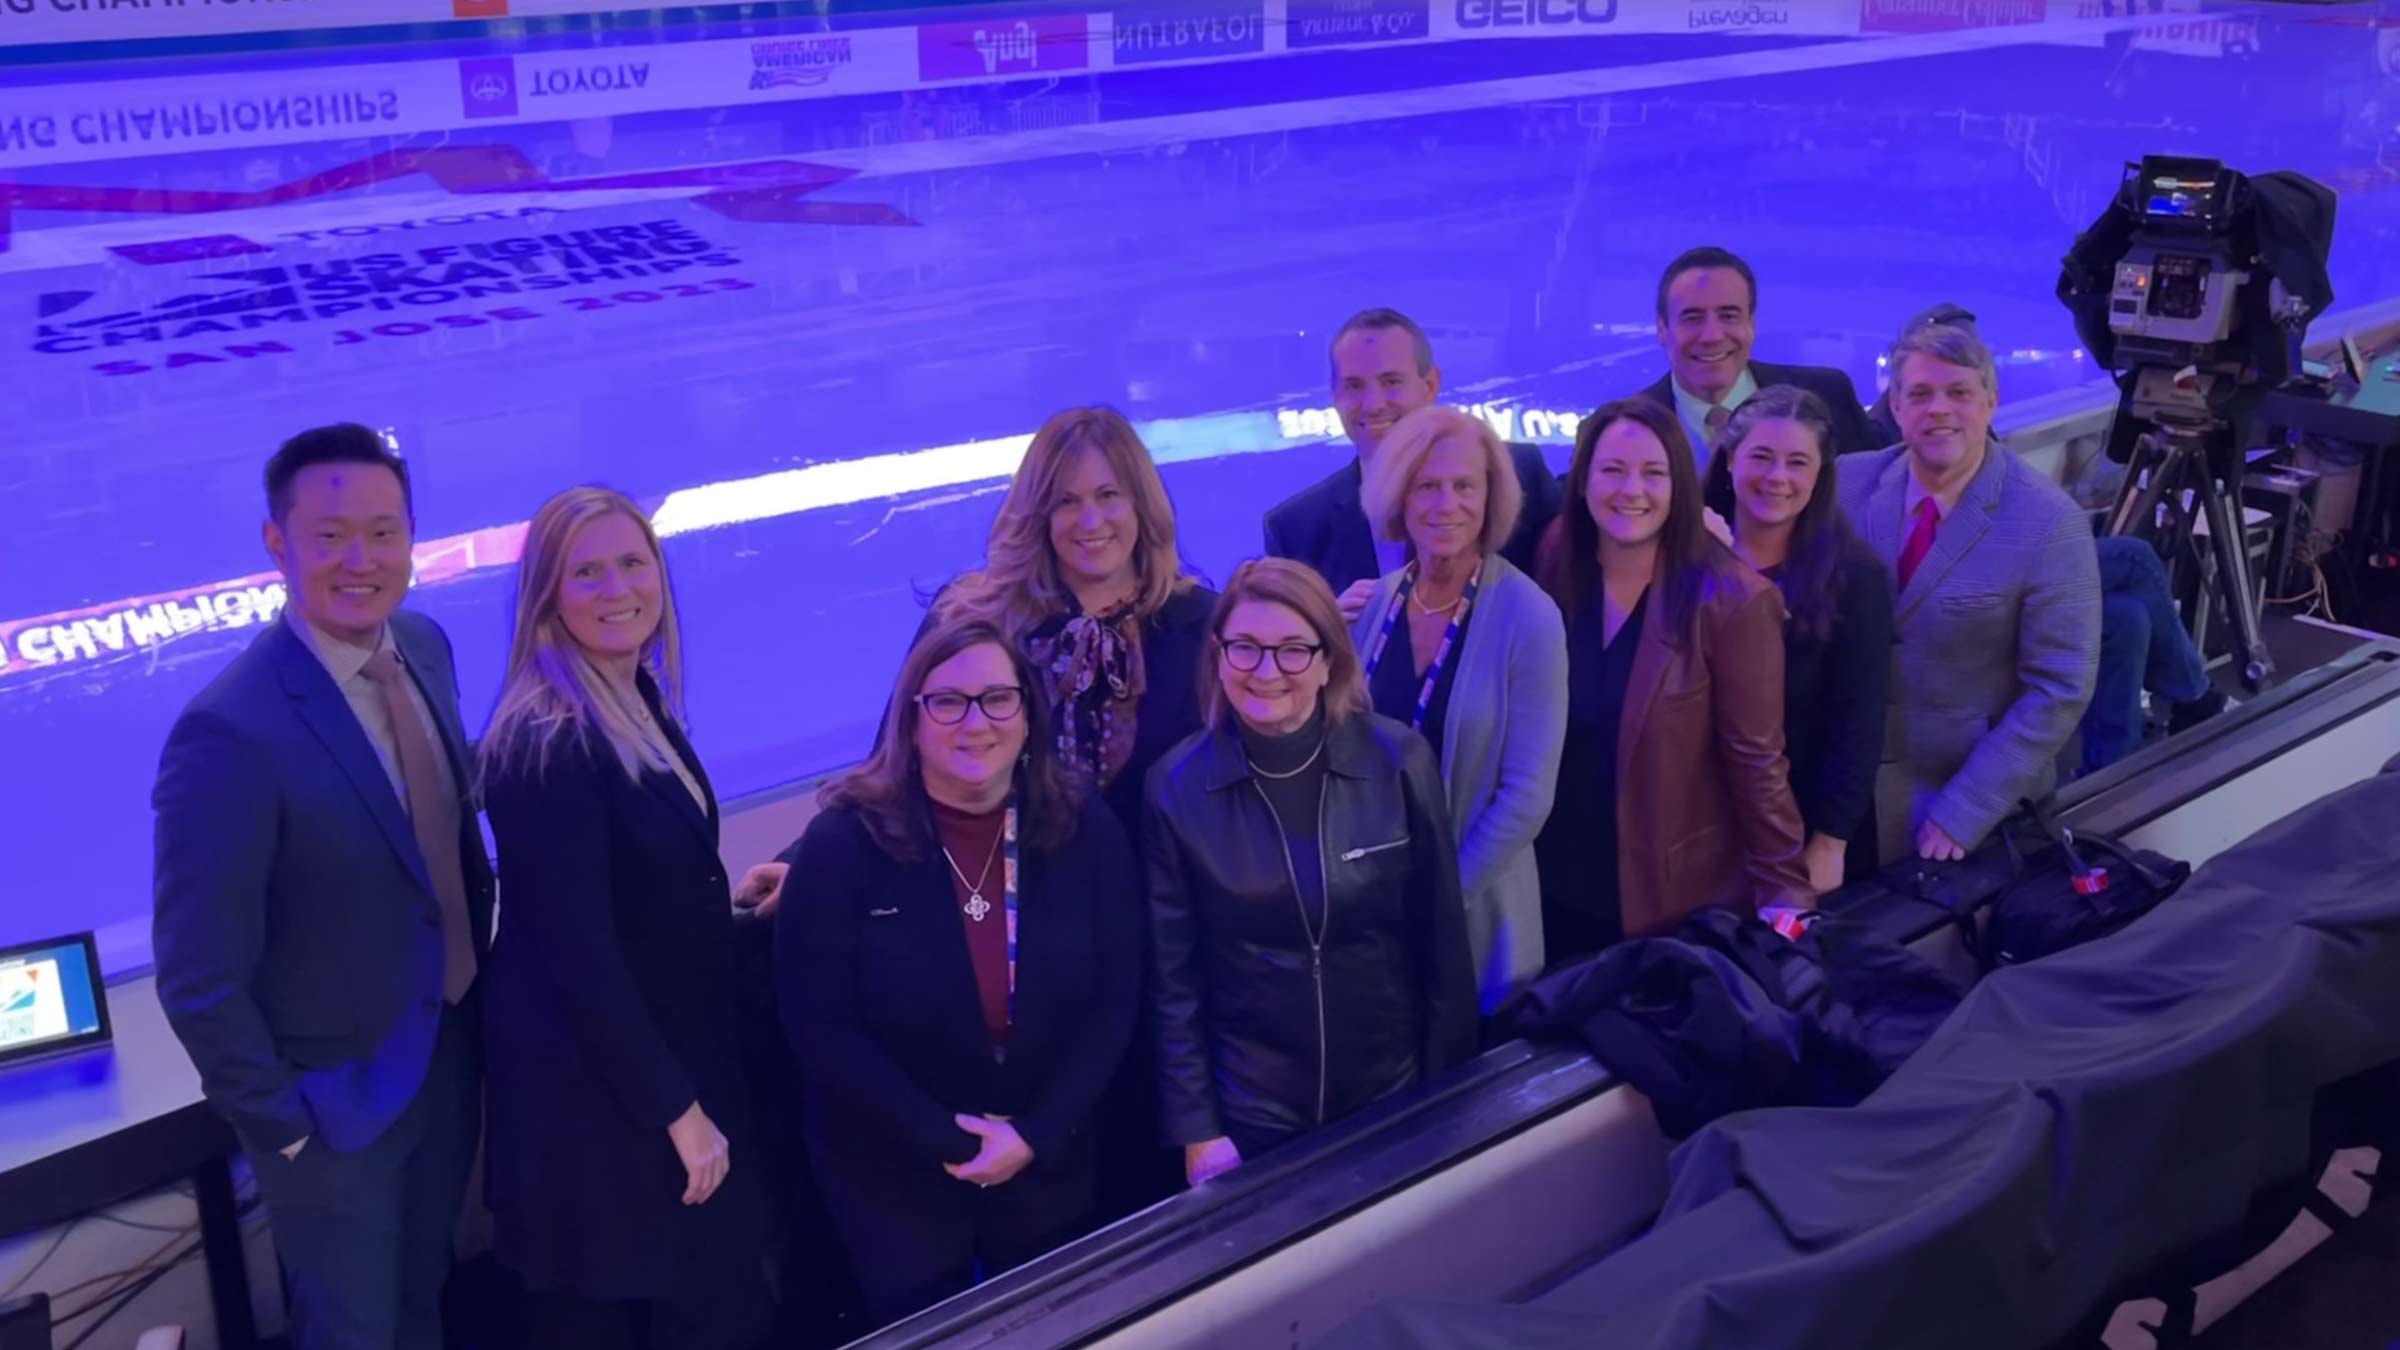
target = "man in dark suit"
x: 1707, y: 317
x: 1382, y: 370
x: 323, y: 903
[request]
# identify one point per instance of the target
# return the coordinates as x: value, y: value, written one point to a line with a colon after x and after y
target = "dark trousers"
x: 366, y: 1238
x: 915, y: 1239
x: 2143, y: 645
x: 1136, y: 1170
x: 734, y: 1315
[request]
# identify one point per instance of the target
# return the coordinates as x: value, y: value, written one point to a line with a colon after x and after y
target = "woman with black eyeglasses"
x: 1308, y: 938
x: 958, y: 979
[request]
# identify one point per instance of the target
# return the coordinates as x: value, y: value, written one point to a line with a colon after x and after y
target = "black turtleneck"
x: 1297, y: 800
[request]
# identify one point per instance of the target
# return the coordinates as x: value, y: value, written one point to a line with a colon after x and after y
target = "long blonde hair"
x: 1019, y: 585
x: 552, y: 687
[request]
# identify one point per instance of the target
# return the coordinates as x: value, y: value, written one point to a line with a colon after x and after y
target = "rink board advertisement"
x: 1156, y: 31
x: 74, y: 123
x: 30, y: 22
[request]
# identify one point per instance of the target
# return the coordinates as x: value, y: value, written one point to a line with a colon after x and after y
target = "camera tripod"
x: 2181, y: 473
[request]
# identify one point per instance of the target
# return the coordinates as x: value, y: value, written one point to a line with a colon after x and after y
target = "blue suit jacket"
x: 297, y: 938
x: 1324, y: 525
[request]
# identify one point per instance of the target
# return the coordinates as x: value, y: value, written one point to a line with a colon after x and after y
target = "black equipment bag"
x: 2081, y: 888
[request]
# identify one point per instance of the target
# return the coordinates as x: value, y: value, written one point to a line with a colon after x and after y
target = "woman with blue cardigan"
x: 1461, y: 645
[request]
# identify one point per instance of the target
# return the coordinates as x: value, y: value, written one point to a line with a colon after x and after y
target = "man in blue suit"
x: 323, y: 902
x: 1383, y: 370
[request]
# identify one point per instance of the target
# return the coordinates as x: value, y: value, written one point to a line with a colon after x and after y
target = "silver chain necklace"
x: 977, y: 907
x: 1295, y: 773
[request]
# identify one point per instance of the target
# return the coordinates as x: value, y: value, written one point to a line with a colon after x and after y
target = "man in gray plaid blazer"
x: 1998, y: 603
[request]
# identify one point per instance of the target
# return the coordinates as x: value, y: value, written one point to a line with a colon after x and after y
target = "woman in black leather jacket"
x: 1309, y: 938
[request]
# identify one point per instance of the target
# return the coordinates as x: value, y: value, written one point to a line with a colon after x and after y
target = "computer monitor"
x: 51, y: 998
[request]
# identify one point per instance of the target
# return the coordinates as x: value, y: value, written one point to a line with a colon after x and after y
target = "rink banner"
x: 1600, y: 18
x: 1183, y: 29
x: 27, y: 22
x: 81, y: 123
x: 71, y: 123
x: 1004, y: 47
x: 1343, y: 23
x: 1056, y: 42
x: 2194, y: 28
x: 1947, y: 16
x: 30, y: 22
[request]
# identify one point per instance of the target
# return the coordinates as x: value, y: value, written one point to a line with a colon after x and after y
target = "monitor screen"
x: 51, y: 999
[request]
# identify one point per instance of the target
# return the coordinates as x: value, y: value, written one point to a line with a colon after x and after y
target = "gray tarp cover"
x: 2077, y: 1121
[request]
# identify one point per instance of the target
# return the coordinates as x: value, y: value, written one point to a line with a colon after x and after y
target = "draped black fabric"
x: 2080, y: 1123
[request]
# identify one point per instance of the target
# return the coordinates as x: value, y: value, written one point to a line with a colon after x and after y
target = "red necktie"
x: 1927, y: 519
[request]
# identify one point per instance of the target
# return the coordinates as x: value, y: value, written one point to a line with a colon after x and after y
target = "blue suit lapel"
x: 1351, y: 543
x: 321, y: 706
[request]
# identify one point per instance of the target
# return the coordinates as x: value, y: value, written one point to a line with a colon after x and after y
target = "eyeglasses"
x: 1000, y: 703
x: 1291, y: 657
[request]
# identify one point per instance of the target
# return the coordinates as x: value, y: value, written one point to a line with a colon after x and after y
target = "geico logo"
x: 1528, y: 13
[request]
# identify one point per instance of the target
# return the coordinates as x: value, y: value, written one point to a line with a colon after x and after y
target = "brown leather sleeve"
x: 1748, y: 682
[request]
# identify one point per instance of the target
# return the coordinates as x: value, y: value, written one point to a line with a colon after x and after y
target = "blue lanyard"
x: 1441, y: 655
x: 1008, y: 900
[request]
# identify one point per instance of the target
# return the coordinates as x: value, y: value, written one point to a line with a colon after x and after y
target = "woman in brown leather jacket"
x: 1673, y: 792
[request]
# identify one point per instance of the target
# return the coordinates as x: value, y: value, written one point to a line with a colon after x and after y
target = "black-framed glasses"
x: 1290, y: 657
x: 1000, y: 703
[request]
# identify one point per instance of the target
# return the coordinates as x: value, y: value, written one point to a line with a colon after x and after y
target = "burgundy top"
x: 973, y: 839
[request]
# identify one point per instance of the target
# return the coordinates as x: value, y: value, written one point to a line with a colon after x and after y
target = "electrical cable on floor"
x: 251, y: 1218
x: 125, y: 1297
x: 243, y: 1213
x: 139, y: 1226
x: 44, y: 1259
x: 116, y: 1279
x: 2310, y: 550
x: 125, y: 1300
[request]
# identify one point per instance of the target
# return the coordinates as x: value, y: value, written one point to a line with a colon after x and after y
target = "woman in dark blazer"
x: 958, y: 978
x: 614, y: 1091
x: 1772, y: 478
x: 1083, y: 571
x: 1673, y: 794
